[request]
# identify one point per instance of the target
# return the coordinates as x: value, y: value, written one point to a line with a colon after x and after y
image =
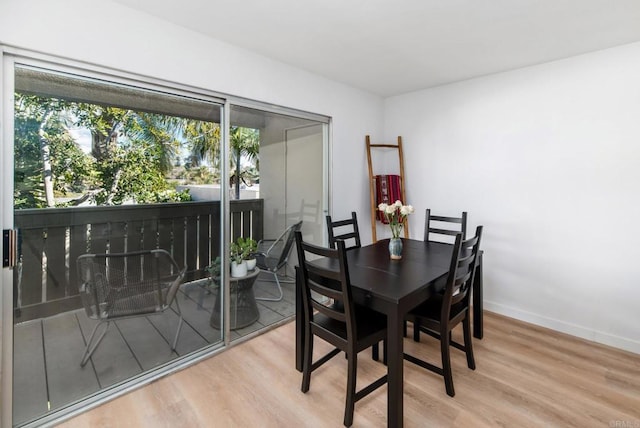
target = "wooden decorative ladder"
x: 372, y: 183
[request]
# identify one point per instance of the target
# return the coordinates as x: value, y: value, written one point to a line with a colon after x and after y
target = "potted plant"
x: 215, y: 270
x: 396, y: 215
x: 249, y: 247
x: 238, y: 263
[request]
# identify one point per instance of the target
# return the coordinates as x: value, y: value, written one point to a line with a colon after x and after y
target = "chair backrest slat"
x: 337, y: 230
x: 464, y: 261
x: 120, y: 284
x: 444, y: 225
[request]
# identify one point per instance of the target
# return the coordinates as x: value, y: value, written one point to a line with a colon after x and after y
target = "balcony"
x: 51, y: 327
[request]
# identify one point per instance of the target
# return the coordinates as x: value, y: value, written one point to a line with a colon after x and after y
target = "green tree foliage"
x: 134, y: 156
x: 204, y: 141
x: 133, y: 174
x: 130, y: 153
x: 39, y: 122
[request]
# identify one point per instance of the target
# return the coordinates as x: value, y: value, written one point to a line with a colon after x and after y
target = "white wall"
x: 547, y: 158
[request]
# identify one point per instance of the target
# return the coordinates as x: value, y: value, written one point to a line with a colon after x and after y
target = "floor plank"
x: 167, y: 324
x: 63, y: 348
x: 147, y: 344
x: 526, y: 376
x: 30, y: 393
x: 112, y: 360
x: 129, y: 348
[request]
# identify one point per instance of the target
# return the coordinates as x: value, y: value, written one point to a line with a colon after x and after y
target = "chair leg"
x: 416, y: 330
x: 88, y: 350
x: 306, y: 364
x: 375, y: 352
x: 175, y: 339
x: 384, y: 352
x: 274, y: 299
x: 351, y: 388
x: 468, y: 343
x: 446, y: 363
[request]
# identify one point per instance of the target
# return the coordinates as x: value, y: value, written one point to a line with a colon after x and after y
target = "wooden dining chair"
x: 347, y: 230
x: 441, y: 313
x: 443, y: 229
x: 440, y: 227
x: 330, y: 314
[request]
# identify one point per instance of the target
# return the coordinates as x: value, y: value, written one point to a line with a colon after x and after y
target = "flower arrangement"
x: 395, y: 214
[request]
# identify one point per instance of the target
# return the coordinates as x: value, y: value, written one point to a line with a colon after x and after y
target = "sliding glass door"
x: 106, y: 167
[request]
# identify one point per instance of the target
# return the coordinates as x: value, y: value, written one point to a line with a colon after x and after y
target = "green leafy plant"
x: 249, y: 247
x: 215, y: 270
x: 243, y: 249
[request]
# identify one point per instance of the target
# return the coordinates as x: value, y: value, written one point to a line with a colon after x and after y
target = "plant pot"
x: 251, y: 264
x: 238, y: 269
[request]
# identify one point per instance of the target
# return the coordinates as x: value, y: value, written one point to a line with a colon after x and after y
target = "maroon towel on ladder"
x: 387, y: 191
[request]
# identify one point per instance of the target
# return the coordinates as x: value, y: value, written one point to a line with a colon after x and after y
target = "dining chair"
x: 273, y: 255
x: 124, y: 285
x: 444, y: 226
x: 330, y: 314
x: 442, y: 312
x: 347, y: 230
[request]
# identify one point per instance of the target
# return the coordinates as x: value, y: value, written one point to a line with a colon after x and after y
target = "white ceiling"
x: 392, y: 47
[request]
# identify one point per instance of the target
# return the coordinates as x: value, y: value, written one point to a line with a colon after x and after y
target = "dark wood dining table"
x: 394, y: 287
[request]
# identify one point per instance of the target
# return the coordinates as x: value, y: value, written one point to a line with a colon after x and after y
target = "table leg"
x: 299, y: 321
x: 395, y: 370
x: 477, y: 300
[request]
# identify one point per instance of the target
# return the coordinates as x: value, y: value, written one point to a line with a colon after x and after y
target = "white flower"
x: 398, y: 203
x: 391, y: 209
x: 406, y: 210
x: 382, y: 207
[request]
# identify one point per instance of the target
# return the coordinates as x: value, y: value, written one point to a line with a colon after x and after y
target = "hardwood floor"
x: 526, y: 376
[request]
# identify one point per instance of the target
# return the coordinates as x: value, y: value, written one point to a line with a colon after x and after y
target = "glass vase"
x: 395, y: 248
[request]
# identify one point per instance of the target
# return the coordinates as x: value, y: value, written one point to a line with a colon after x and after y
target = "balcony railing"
x: 50, y: 241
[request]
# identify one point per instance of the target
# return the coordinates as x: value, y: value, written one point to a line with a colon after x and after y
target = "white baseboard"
x: 565, y: 327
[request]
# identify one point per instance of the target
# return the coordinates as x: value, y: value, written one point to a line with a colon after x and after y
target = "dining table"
x: 394, y: 287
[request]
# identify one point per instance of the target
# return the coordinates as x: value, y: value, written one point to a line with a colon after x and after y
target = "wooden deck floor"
x: 47, y: 352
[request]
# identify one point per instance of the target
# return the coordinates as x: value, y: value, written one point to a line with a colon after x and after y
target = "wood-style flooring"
x: 526, y: 376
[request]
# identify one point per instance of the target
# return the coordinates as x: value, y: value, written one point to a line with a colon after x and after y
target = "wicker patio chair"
x: 123, y: 285
x: 273, y: 255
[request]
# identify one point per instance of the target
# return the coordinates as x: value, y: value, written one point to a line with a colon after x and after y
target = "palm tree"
x: 245, y: 142
x: 204, y: 139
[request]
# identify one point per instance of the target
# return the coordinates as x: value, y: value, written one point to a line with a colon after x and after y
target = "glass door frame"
x: 14, y: 56
x: 6, y: 219
x: 10, y: 61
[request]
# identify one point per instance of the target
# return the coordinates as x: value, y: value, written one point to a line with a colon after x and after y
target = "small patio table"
x: 244, y: 309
